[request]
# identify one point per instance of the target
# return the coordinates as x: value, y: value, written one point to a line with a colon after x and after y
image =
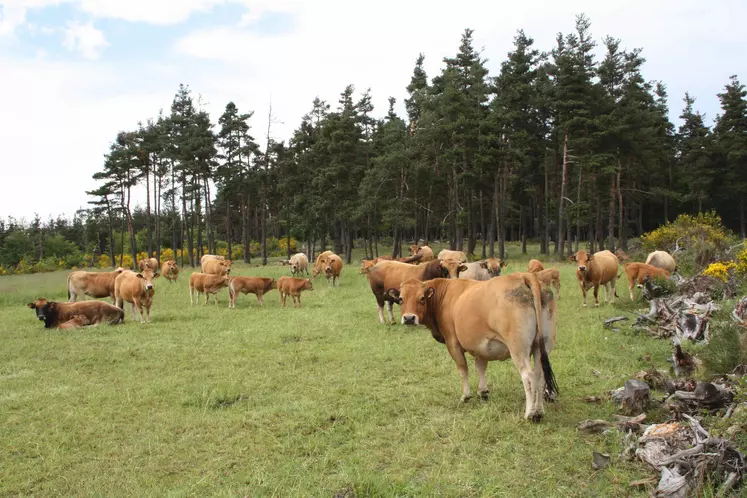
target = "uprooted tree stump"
x: 635, y: 396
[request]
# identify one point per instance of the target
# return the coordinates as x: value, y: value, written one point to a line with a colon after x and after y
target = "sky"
x: 75, y: 72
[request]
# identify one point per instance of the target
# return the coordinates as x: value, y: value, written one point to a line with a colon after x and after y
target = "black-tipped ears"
x: 464, y: 267
x: 31, y: 305
x: 503, y: 264
x: 394, y: 293
x: 573, y: 257
x: 140, y: 275
x: 429, y: 292
x: 484, y: 265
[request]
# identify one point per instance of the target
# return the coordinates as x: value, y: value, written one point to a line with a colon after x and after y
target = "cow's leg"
x: 259, y: 298
x: 457, y: 354
x: 583, y: 291
x: 380, y: 307
x: 481, y: 364
x: 191, y: 294
x: 613, y: 285
x: 215, y: 298
x: 147, y: 313
x: 207, y: 297
x: 136, y: 302
x: 389, y: 306
x: 523, y: 365
x: 596, y: 294
x: 539, y: 386
x: 631, y: 284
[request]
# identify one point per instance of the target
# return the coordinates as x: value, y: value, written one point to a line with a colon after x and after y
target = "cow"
x: 299, y: 263
x: 420, y: 254
x: 637, y: 273
x: 622, y: 256
x: 367, y: 264
x: 211, y: 257
x: 332, y: 269
x: 550, y: 277
x: 504, y: 317
x: 53, y: 313
x: 457, y: 255
x: 76, y: 322
x: 289, y: 286
x: 91, y: 283
x: 390, y: 274
x: 151, y: 263
x: 453, y: 267
x: 256, y: 285
x: 594, y: 270
x: 170, y: 270
x: 320, y: 262
x: 535, y: 266
x: 483, y: 270
x: 663, y: 260
x: 138, y: 290
x: 216, y: 267
x: 208, y: 284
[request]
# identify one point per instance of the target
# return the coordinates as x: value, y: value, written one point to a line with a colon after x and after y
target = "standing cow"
x: 332, y: 269
x: 663, y: 260
x: 420, y: 254
x: 208, y: 284
x: 170, y: 270
x: 457, y: 255
x: 151, y: 263
x: 299, y: 263
x: 216, y: 267
x: 138, y: 290
x: 321, y: 261
x: 483, y: 270
x: 245, y: 285
x: 594, y: 270
x: 289, y: 286
x: 637, y: 273
x: 91, y: 283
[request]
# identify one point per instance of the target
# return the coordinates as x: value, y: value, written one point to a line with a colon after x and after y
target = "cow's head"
x: 294, y: 266
x: 582, y: 259
x: 148, y: 276
x: 493, y: 265
x: 366, y: 265
x: 42, y: 307
x: 143, y: 264
x: 273, y: 284
x: 453, y: 267
x: 307, y: 285
x: 119, y: 269
x: 412, y: 297
x: 328, y: 268
x: 320, y: 265
x: 171, y: 266
x: 225, y: 266
x: 414, y: 249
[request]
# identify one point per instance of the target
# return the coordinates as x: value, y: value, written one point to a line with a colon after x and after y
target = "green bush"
x: 726, y: 349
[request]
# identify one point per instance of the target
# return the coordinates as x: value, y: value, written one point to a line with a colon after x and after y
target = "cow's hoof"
x: 550, y: 398
x: 584, y: 305
x: 465, y: 398
x: 596, y: 305
x: 483, y: 395
x: 535, y: 417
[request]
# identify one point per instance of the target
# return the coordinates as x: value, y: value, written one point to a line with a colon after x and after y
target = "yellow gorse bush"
x: 720, y: 270
x: 742, y: 262
x: 686, y: 228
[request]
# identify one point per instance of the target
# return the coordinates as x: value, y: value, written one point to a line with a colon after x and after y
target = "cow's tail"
x: 68, y: 286
x: 551, y: 385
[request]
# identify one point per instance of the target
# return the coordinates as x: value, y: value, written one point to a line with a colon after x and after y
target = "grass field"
x: 317, y: 401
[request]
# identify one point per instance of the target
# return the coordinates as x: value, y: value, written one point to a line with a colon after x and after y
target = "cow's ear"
x: 140, y: 275
x: 394, y: 294
x: 503, y: 264
x: 573, y: 257
x: 429, y: 292
x: 464, y: 267
x: 51, y: 304
x: 156, y: 275
x: 484, y: 265
x: 591, y: 256
x: 31, y: 305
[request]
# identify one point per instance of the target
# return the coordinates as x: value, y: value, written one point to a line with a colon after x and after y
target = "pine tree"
x: 693, y: 145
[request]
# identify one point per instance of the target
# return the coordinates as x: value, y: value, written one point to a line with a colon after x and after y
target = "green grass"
x: 295, y: 402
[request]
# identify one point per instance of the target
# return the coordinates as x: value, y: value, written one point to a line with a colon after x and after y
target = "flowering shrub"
x: 742, y: 263
x: 720, y: 270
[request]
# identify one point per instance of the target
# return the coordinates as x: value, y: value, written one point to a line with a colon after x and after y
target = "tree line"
x: 558, y: 148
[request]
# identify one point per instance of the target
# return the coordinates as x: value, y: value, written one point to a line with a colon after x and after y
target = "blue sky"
x: 74, y: 72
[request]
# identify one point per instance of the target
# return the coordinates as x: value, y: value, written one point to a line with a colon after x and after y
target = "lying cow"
x: 76, y: 322
x: 390, y: 274
x: 535, y: 266
x: 289, y: 286
x: 638, y: 272
x: 550, y: 277
x: 483, y: 270
x: 170, y: 270
x: 207, y: 284
x: 420, y: 254
x: 299, y: 263
x: 216, y: 267
x: 663, y: 260
x: 504, y: 317
x: 333, y: 269
x: 138, y: 290
x: 151, y: 263
x: 457, y: 255
x: 91, y: 283
x: 595, y: 270
x: 53, y: 313
x: 321, y: 260
x: 245, y: 285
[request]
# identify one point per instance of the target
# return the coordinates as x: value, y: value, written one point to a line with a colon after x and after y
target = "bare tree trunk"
x: 621, y: 230
x: 522, y: 229
x: 157, y: 181
x: 229, y: 236
x: 482, y: 226
x: 185, y: 226
x: 149, y: 226
x: 742, y: 220
x: 561, y: 212
x: 612, y: 214
x: 578, y: 204
x: 493, y: 219
x: 130, y: 229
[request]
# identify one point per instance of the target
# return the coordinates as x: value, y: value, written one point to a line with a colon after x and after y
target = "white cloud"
x: 11, y: 16
x: 84, y: 38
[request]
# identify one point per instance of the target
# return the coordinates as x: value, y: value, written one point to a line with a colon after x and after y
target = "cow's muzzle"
x: 149, y: 286
x: 581, y: 268
x: 409, y: 319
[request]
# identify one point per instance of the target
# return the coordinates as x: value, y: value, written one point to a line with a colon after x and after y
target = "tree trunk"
x: 578, y: 204
x: 611, y: 226
x: 742, y: 220
x: 157, y: 180
x: 185, y: 226
x: 174, y: 216
x: 493, y: 219
x: 209, y: 218
x: 245, y: 229
x: 228, y: 229
x: 148, y: 225
x: 599, y: 230
x: 560, y: 244
x: 131, y: 231
x: 482, y: 226
x: 197, y: 219
x: 522, y: 229
x: 621, y: 219
x: 111, y: 232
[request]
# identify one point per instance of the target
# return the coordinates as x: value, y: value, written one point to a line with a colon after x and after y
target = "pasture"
x: 317, y: 401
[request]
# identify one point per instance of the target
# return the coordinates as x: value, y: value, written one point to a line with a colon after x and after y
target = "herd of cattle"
x: 469, y: 307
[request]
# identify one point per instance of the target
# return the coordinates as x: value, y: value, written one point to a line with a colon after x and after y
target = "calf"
x: 91, y: 283
x: 170, y: 270
x: 207, y: 284
x: 256, y: 285
x: 138, y: 290
x: 483, y: 270
x: 550, y: 277
x: 151, y: 263
x: 663, y: 260
x: 76, y: 322
x: 595, y: 270
x: 504, y: 317
x: 535, y: 266
x: 457, y: 255
x: 299, y: 263
x: 637, y: 273
x: 289, y: 286
x: 216, y: 267
x: 53, y: 313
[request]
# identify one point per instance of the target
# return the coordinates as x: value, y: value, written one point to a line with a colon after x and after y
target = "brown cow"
x: 151, y: 263
x: 483, y: 270
x: 594, y: 270
x: 453, y: 267
x: 457, y: 255
x: 211, y: 257
x: 367, y: 264
x: 256, y: 285
x: 299, y: 263
x: 216, y: 267
x: 53, y: 313
x: 321, y: 260
x: 170, y: 270
x: 390, y: 274
x: 91, y: 283
x: 76, y: 322
x: 504, y: 317
x: 208, y: 284
x: 663, y: 260
x: 550, y: 277
x: 637, y: 273
x: 535, y: 266
x: 289, y: 286
x: 420, y: 254
x: 138, y: 290
x: 332, y: 269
